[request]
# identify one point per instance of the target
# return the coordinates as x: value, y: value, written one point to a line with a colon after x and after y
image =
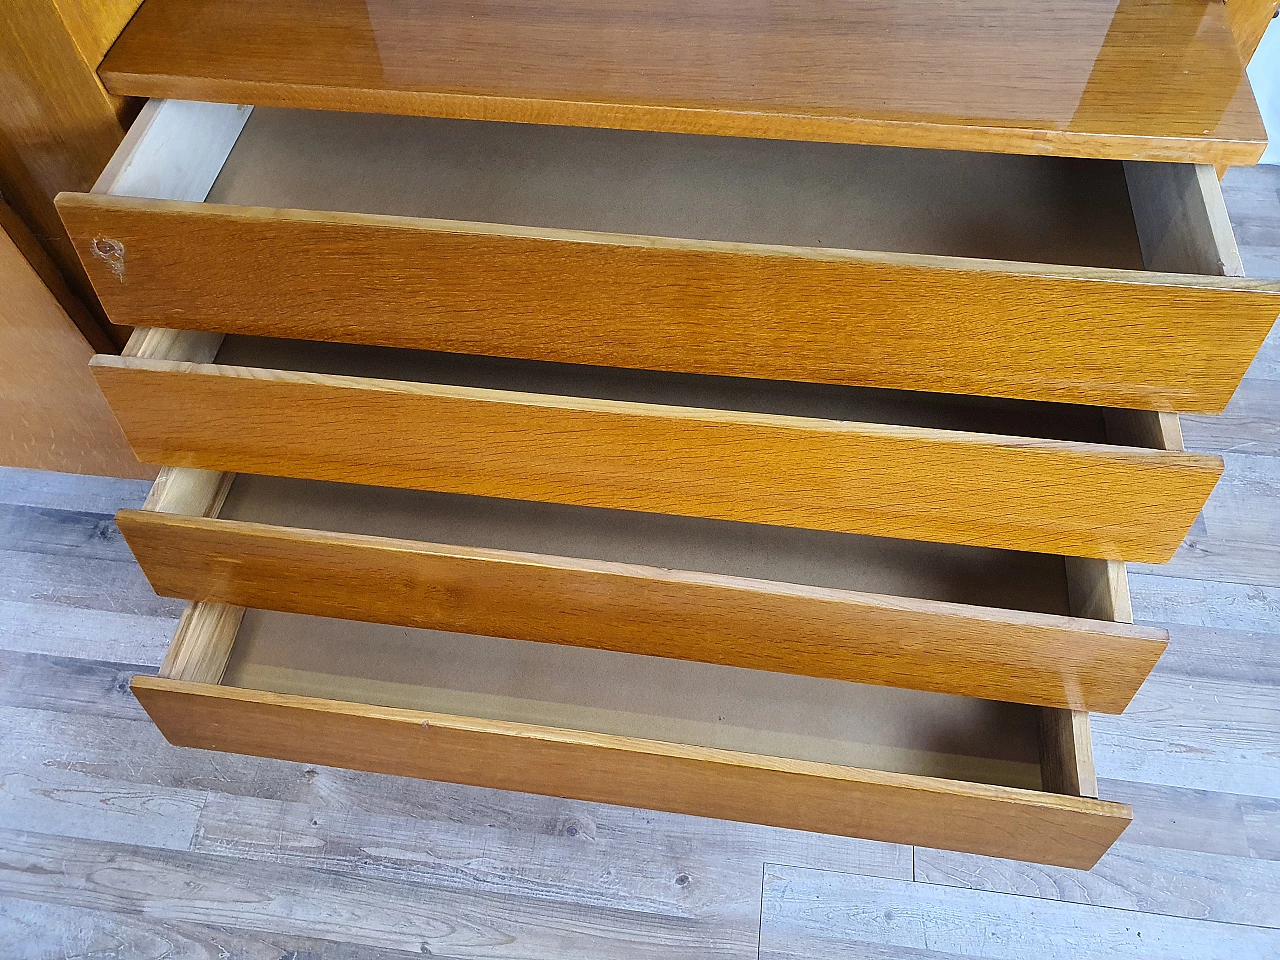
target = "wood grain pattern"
x: 810, y: 913
x: 838, y: 634
x: 1066, y: 753
x: 1068, y: 831
x: 1181, y: 219
x: 202, y: 643
x: 94, y: 797
x: 1074, y: 334
x: 1046, y: 496
x: 1249, y: 20
x: 52, y: 415
x: 60, y: 128
x: 1087, y: 77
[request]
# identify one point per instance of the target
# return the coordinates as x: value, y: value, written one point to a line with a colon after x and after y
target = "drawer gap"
x: 974, y: 414
x: 648, y: 698
x: 841, y: 196
x: 907, y: 568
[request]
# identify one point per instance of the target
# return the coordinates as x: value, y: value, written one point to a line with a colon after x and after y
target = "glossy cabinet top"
x: 1134, y: 79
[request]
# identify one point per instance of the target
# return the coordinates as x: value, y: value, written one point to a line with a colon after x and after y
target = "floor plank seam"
x: 1102, y: 906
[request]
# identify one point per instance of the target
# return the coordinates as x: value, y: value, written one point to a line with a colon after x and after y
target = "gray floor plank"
x: 61, y: 532
x: 32, y: 930
x: 1214, y: 653
x: 69, y: 684
x: 282, y: 900
x: 1204, y: 734
x: 1262, y: 823
x: 1205, y: 603
x: 1130, y: 876
x: 1179, y: 818
x: 1250, y: 423
x: 816, y: 913
x: 69, y: 803
x: 58, y: 630
x: 83, y: 583
x: 70, y: 491
x: 632, y: 874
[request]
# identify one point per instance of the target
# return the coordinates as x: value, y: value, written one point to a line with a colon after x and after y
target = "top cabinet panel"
x: 1133, y: 79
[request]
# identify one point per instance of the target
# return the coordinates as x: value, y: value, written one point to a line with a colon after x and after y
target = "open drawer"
x: 1020, y: 627
x: 821, y: 755
x: 1050, y: 278
x: 1021, y: 475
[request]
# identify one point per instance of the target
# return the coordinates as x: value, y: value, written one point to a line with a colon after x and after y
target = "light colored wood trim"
x: 188, y: 493
x: 1099, y: 589
x: 1182, y: 219
x: 188, y: 346
x: 826, y: 798
x: 1080, y: 77
x: 814, y: 631
x: 202, y: 644
x: 1041, y: 495
x: 174, y: 150
x: 1078, y: 334
x: 1143, y: 428
x: 1171, y: 432
x: 1066, y: 753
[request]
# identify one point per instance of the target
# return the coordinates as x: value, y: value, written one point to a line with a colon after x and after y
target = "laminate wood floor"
x: 115, y: 845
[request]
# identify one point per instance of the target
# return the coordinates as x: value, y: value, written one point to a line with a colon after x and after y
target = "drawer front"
x: 897, y: 808
x: 915, y: 483
x: 1042, y: 659
x: 1169, y: 341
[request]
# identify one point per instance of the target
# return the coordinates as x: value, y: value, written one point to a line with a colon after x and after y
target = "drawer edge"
x: 1042, y: 659
x: 896, y: 808
x: 1141, y: 501
x: 1148, y: 339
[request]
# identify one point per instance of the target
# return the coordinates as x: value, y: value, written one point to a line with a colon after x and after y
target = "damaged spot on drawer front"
x: 110, y: 252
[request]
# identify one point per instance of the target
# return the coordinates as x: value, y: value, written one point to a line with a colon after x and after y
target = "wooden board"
x: 1052, y: 497
x: 999, y: 821
x: 52, y: 415
x: 1085, y: 77
x: 1249, y: 20
x: 1075, y: 335
x: 58, y: 130
x: 601, y: 246
x: 792, y: 628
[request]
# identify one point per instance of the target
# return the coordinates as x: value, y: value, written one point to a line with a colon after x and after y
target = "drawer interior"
x: 989, y: 415
x: 904, y: 568
x: 1056, y: 210
x: 630, y: 695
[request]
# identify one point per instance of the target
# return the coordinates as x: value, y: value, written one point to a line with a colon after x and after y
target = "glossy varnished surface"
x: 1149, y: 79
x: 847, y: 608
x: 278, y: 858
x: 760, y: 258
x: 998, y: 491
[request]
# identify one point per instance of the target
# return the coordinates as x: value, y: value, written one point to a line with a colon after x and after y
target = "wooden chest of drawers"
x: 779, y: 481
